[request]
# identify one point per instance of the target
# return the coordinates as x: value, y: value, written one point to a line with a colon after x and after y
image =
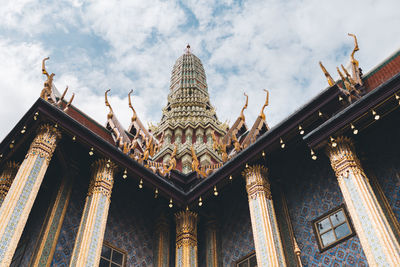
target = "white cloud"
x: 244, y: 47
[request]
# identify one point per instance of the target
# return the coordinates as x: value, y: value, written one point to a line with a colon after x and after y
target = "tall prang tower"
x: 188, y: 119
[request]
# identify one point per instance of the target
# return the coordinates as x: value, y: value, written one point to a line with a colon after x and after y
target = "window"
x: 248, y: 261
x: 332, y: 228
x: 111, y: 257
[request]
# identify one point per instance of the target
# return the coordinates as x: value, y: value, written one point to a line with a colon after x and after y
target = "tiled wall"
x: 315, y: 193
x: 236, y: 235
x: 128, y: 228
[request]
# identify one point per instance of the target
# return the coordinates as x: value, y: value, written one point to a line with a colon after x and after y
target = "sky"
x: 245, y: 46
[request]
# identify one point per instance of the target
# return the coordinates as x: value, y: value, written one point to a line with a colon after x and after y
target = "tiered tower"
x: 189, y: 118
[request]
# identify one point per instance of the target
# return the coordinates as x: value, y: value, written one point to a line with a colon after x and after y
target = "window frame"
x: 240, y: 260
x: 123, y: 252
x: 317, y: 234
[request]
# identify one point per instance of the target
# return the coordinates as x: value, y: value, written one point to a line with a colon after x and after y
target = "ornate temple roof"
x: 207, y: 149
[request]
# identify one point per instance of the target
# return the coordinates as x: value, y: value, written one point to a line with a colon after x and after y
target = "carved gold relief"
x: 7, y: 177
x: 102, y: 177
x: 257, y: 181
x: 45, y: 142
x: 186, y: 228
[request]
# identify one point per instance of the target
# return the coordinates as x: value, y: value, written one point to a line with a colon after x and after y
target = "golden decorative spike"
x: 63, y: 95
x: 356, y: 48
x: 344, y: 80
x: 47, y: 91
x: 134, y: 116
x: 244, y: 107
x: 331, y: 81
x: 262, y: 115
x: 348, y: 75
x: 236, y: 143
x: 111, y: 113
x: 69, y: 102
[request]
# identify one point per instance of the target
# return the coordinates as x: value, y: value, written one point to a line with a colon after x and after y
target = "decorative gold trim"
x: 45, y: 142
x: 186, y: 238
x: 102, y: 177
x: 257, y: 181
x: 7, y: 177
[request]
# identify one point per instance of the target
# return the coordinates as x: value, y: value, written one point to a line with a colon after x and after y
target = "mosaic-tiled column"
x: 211, y: 243
x: 47, y: 242
x: 89, y: 239
x: 267, y: 240
x: 377, y: 238
x: 6, y: 178
x: 23, y: 191
x: 162, y: 242
x: 186, y: 239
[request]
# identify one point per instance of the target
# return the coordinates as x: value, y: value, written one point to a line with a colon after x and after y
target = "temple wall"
x: 316, y: 192
x: 128, y: 228
x: 236, y: 236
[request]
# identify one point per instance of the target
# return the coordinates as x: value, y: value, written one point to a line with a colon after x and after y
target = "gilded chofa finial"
x: 134, y: 116
x: 262, y: 115
x: 354, y: 62
x: 331, y: 82
x: 111, y: 113
x: 244, y: 107
x: 47, y: 91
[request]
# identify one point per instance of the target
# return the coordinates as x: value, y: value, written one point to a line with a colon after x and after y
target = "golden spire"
x: 262, y: 115
x: 244, y: 107
x: 331, y: 82
x: 348, y: 75
x: 134, y: 116
x: 111, y: 113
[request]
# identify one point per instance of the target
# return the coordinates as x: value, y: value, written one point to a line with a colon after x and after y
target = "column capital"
x: 186, y: 228
x: 342, y: 156
x: 7, y: 177
x: 257, y: 181
x: 102, y: 177
x: 45, y: 141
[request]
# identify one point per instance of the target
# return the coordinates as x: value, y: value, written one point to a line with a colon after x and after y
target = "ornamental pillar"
x: 211, y: 243
x: 89, y: 239
x: 376, y: 236
x: 267, y: 240
x: 47, y: 241
x: 23, y: 191
x: 6, y: 178
x: 186, y: 239
x: 162, y: 242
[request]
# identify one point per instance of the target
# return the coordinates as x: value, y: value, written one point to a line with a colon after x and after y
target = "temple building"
x: 321, y: 188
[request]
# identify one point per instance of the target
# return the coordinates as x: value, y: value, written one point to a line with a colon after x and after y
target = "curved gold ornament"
x: 257, y: 181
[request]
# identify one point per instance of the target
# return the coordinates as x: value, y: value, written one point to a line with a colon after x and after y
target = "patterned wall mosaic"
x: 315, y: 193
x: 235, y: 228
x: 128, y: 229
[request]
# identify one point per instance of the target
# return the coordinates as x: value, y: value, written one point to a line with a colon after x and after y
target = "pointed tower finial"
x: 188, y: 48
x: 331, y: 82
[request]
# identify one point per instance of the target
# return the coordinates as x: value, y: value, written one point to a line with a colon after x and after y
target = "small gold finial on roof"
x: 111, y: 113
x: 354, y: 62
x: 134, y: 116
x: 348, y: 75
x: 47, y: 91
x: 331, y: 82
x: 244, y: 107
x: 262, y: 115
x: 344, y: 80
